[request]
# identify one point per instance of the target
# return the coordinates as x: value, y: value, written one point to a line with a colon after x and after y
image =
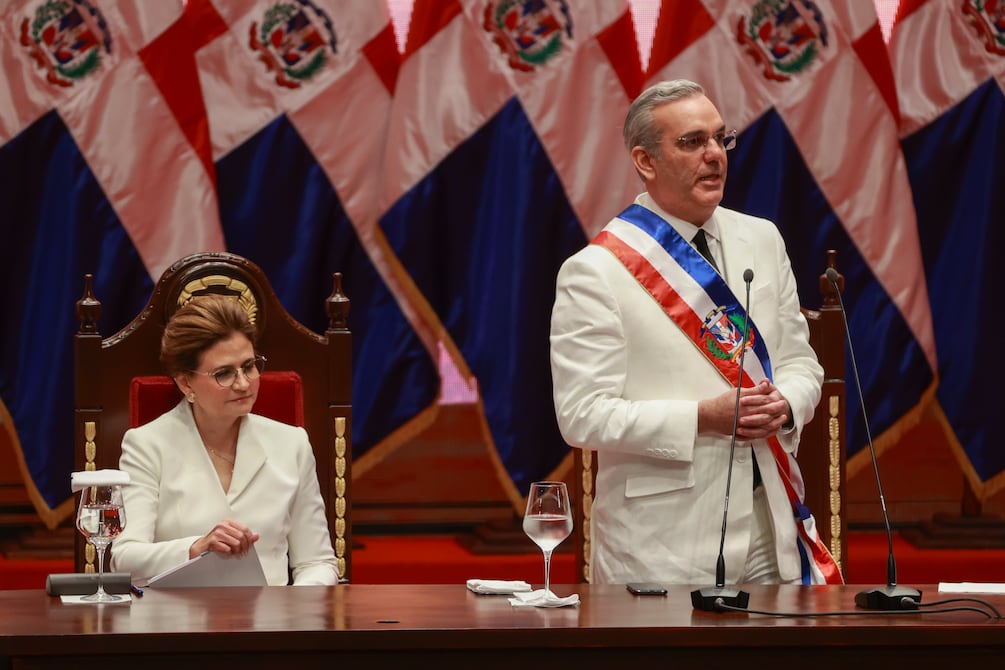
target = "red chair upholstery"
x: 280, y: 397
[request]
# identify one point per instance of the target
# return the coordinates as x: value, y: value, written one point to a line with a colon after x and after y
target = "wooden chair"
x: 120, y: 384
x: 821, y: 447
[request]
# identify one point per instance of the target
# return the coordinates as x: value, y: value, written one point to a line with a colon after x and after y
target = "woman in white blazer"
x: 210, y: 476
x: 632, y: 385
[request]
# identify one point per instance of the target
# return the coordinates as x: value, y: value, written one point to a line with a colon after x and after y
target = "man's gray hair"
x: 640, y: 130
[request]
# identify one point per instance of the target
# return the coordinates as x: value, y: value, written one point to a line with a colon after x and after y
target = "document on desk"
x: 212, y: 569
x: 971, y: 587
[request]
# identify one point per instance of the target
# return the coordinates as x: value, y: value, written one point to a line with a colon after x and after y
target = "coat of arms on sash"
x: 722, y: 333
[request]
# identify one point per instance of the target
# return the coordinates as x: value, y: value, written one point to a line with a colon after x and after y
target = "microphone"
x: 712, y: 599
x: 891, y: 596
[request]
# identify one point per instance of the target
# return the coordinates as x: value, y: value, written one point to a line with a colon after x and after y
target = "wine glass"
x: 548, y: 520
x: 101, y: 517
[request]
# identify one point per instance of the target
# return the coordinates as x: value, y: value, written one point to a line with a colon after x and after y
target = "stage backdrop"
x: 449, y: 174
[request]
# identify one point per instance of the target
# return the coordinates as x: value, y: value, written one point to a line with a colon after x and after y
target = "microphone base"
x: 710, y: 598
x: 889, y: 598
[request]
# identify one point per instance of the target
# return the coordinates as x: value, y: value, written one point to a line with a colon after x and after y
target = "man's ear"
x: 643, y: 162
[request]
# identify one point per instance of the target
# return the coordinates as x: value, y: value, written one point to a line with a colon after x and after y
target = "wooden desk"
x: 430, y: 626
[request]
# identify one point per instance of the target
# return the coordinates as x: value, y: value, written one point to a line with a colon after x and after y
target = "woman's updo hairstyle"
x: 198, y: 325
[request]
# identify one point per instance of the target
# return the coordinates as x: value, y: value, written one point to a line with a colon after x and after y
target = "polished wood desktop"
x: 412, y: 626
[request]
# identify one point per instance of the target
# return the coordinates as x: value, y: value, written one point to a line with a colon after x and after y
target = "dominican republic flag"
x: 298, y: 94
x: 104, y: 169
x: 949, y: 62
x: 809, y: 86
x: 503, y: 157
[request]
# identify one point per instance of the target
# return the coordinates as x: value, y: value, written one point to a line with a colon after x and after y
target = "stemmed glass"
x: 101, y: 517
x: 548, y: 520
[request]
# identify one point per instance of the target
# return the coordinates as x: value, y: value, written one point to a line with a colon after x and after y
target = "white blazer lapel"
x: 251, y: 458
x: 197, y: 467
x: 737, y: 252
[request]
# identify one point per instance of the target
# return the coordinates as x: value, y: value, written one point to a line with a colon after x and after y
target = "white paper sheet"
x: 970, y: 587
x: 212, y: 569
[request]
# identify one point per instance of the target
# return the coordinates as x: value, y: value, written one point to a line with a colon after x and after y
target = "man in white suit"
x: 645, y: 344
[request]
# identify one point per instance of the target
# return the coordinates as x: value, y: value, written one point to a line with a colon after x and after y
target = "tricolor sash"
x: 697, y: 299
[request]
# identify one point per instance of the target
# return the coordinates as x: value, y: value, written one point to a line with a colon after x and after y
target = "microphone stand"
x: 713, y: 598
x: 891, y: 596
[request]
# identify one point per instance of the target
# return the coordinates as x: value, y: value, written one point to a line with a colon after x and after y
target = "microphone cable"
x: 910, y: 606
x: 946, y: 601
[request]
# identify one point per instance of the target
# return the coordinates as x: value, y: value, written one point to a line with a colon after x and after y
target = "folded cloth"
x: 83, y: 479
x: 542, y: 598
x: 496, y: 586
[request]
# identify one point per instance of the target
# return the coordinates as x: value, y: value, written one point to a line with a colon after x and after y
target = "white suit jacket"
x: 627, y: 383
x: 175, y: 497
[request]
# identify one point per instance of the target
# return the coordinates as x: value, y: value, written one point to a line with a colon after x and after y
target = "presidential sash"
x: 697, y: 299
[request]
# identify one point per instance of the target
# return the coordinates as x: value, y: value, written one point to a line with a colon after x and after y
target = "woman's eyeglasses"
x: 252, y: 369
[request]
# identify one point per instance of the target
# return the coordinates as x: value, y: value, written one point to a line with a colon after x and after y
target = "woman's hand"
x: 228, y: 537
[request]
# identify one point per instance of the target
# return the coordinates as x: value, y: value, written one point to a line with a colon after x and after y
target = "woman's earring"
x: 191, y: 397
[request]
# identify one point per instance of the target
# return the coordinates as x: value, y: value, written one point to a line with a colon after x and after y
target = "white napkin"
x: 496, y: 586
x: 542, y: 598
x: 81, y: 480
